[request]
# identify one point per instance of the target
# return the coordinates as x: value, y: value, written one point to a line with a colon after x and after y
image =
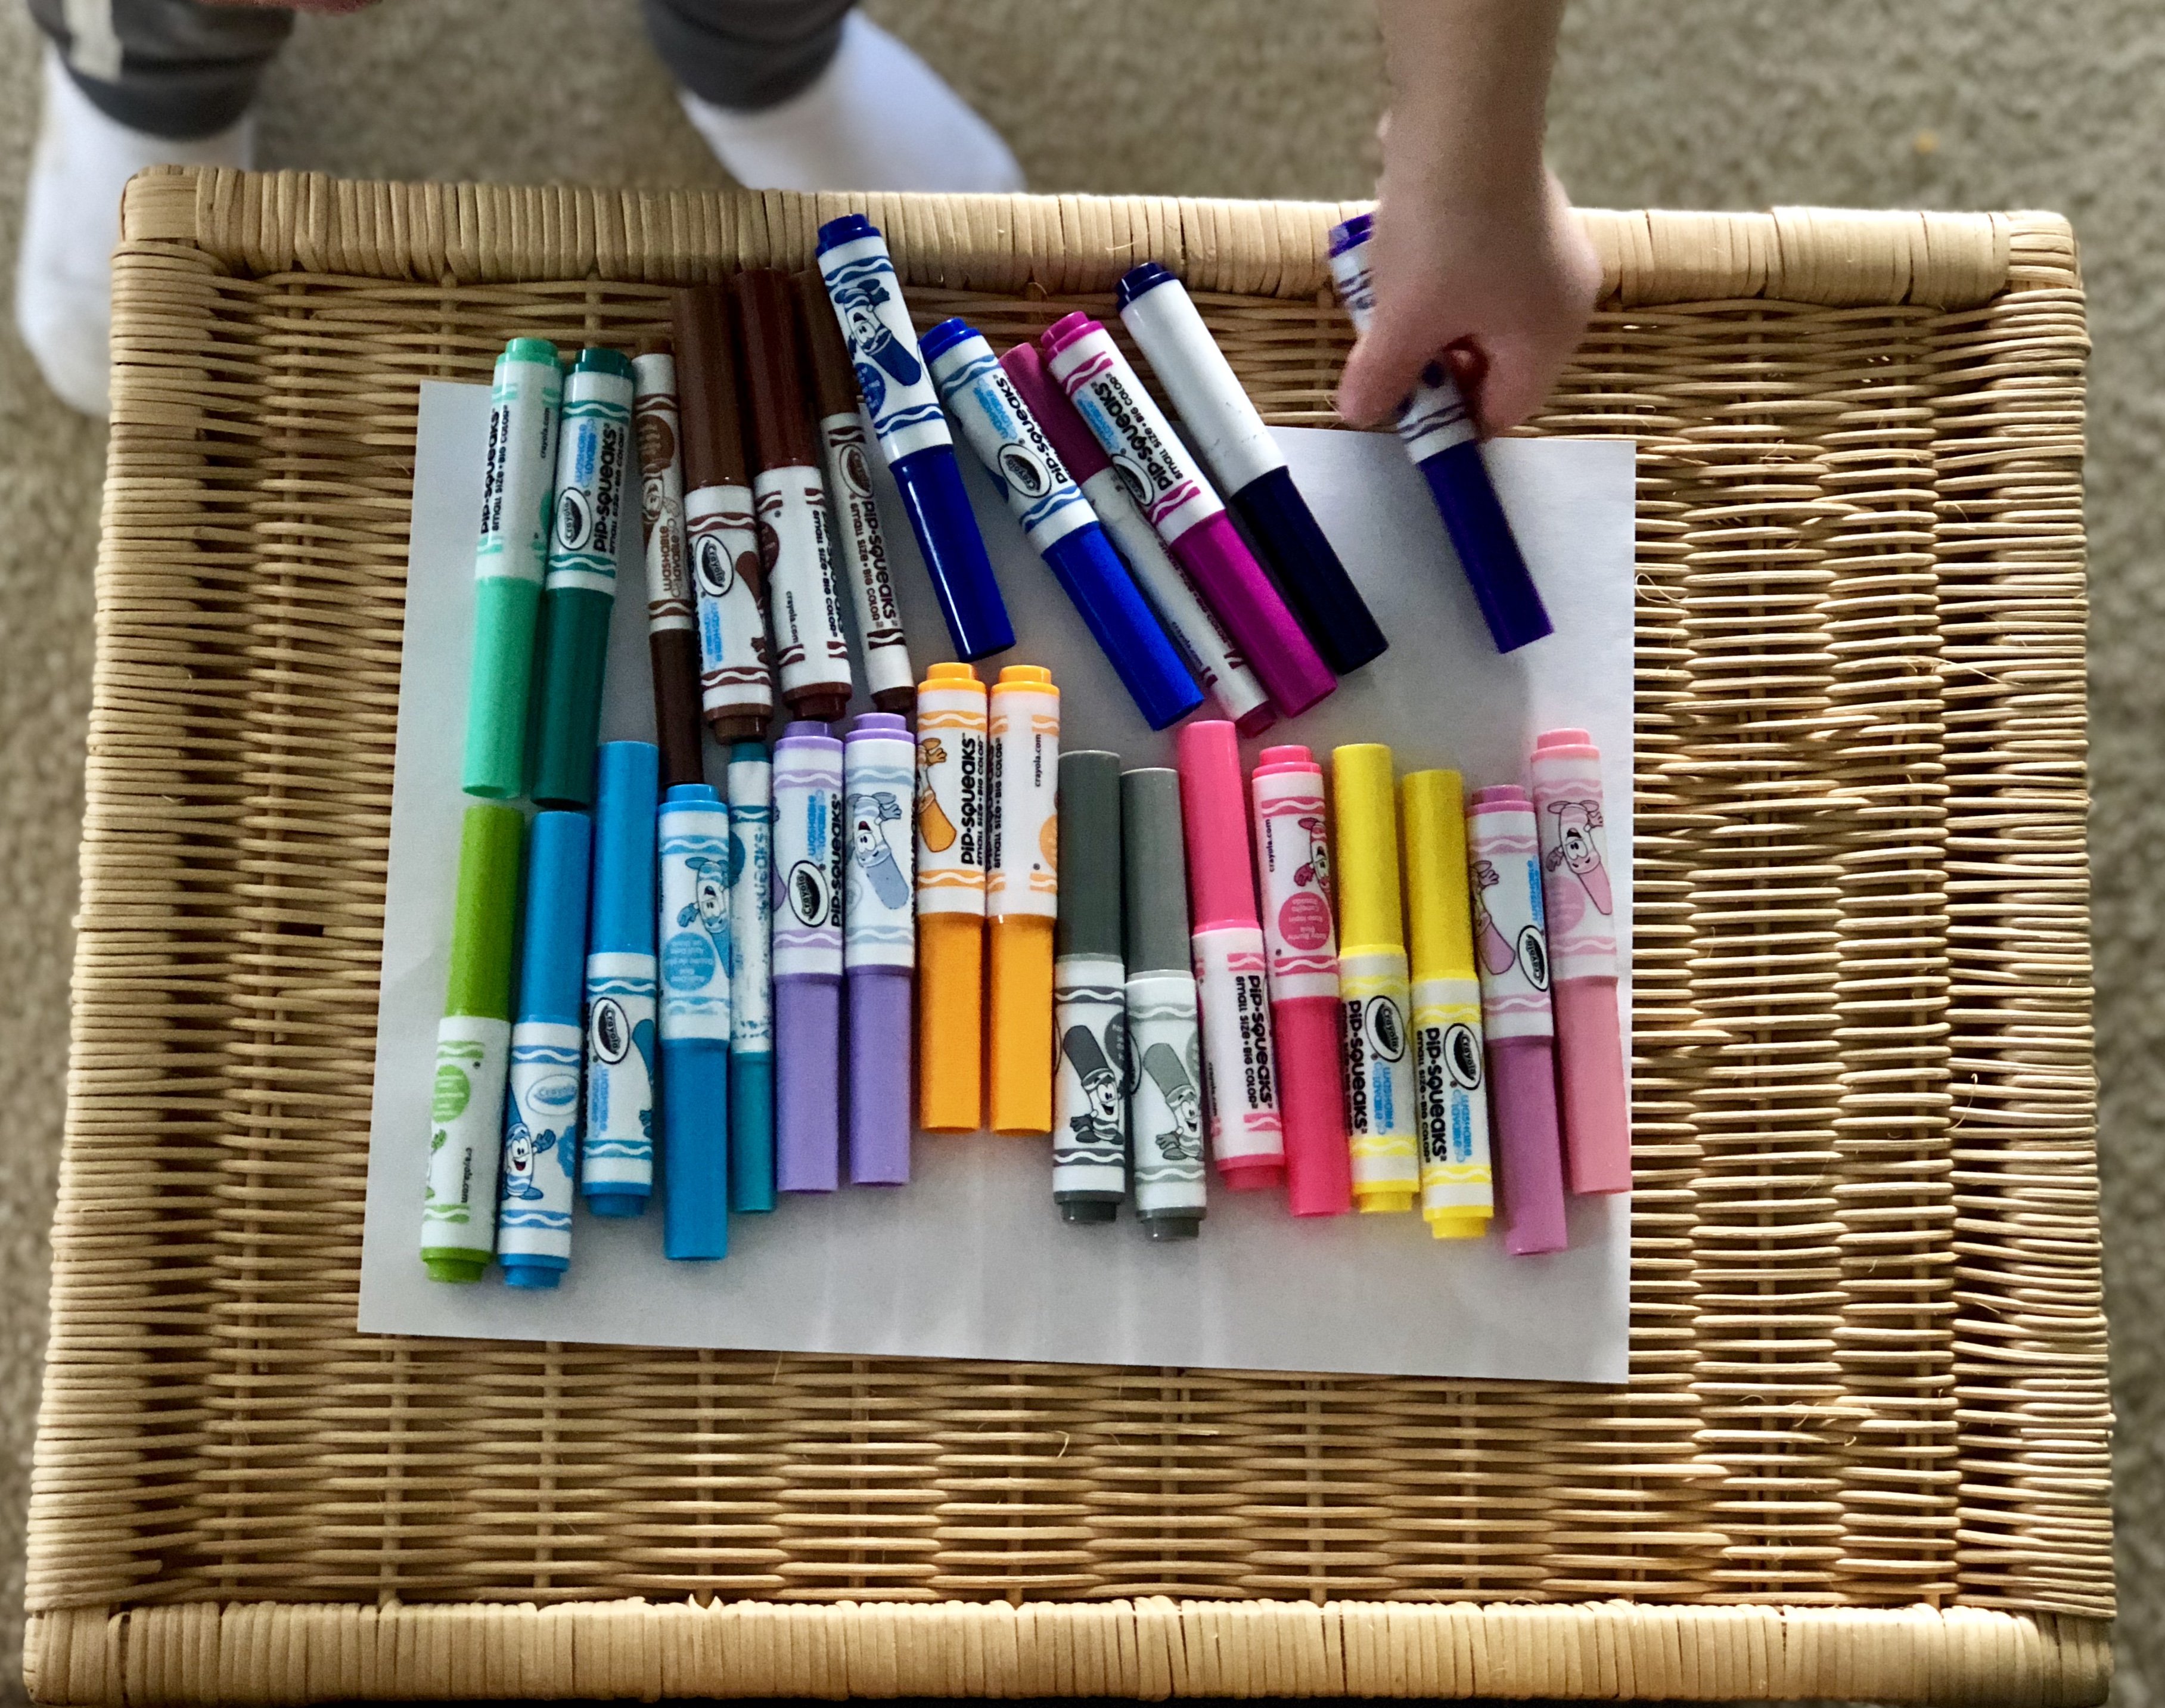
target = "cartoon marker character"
x: 933, y: 823
x: 869, y: 849
x: 1496, y: 954
x: 1177, y: 1086
x: 1577, y: 820
x: 521, y: 1155
x: 1316, y: 870
x: 1097, y: 1128
x: 873, y: 343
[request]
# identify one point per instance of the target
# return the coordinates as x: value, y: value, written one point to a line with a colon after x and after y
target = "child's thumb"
x: 1384, y: 369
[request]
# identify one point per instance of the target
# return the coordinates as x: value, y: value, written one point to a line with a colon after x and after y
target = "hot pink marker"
x: 1581, y: 928
x: 1246, y: 1133
x: 1188, y: 515
x: 1292, y: 871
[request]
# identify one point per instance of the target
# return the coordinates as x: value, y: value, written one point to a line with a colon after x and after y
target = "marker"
x: 1512, y: 955
x: 1059, y: 523
x: 616, y: 1171
x: 593, y: 461
x: 1202, y: 640
x: 698, y: 943
x: 671, y: 642
x: 517, y: 494
x: 541, y: 1120
x: 1157, y: 309
x: 736, y: 669
x: 808, y: 959
x: 1022, y: 894
x: 879, y: 763
x: 473, y: 1047
x: 1172, y: 492
x: 1580, y: 912
x: 1451, y: 1101
x: 1247, y: 1134
x: 1373, y: 992
x: 845, y: 448
x: 1089, y: 997
x: 1437, y: 429
x: 1164, y: 1110
x: 1292, y: 874
x: 751, y: 979
x: 913, y: 433
x: 789, y: 494
x: 954, y: 795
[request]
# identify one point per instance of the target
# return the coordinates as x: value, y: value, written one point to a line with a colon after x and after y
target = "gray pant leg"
x: 172, y: 68
x: 745, y: 54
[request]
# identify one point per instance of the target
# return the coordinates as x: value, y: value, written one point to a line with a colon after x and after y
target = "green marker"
x: 473, y: 1051
x: 594, y: 462
x: 515, y: 502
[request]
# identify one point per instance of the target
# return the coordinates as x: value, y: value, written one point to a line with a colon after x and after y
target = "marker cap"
x: 1154, y: 873
x: 530, y: 350
x: 485, y: 914
x: 1077, y: 446
x: 1089, y: 918
x: 1214, y: 807
x: 598, y: 358
x: 1440, y: 914
x: 627, y: 794
x: 553, y: 946
x: 1365, y: 816
x: 846, y: 228
x: 1146, y: 275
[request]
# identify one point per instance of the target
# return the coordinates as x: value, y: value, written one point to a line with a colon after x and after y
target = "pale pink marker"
x: 1582, y: 931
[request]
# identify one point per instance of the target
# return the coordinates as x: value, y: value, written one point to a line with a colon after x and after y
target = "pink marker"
x: 1511, y: 954
x: 1581, y: 925
x: 1188, y: 515
x: 1292, y: 871
x: 1246, y: 1133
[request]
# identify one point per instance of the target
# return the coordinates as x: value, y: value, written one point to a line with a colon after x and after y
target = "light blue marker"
x: 697, y: 956
x: 751, y: 979
x: 617, y: 1172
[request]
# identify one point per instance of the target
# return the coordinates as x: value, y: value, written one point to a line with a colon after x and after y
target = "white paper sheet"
x: 971, y: 1260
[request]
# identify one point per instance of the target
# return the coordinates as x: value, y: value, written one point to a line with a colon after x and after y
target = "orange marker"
x: 1022, y: 894
x: 953, y: 793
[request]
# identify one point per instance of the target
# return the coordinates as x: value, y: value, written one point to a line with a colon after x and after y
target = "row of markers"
x: 748, y: 568
x: 727, y: 982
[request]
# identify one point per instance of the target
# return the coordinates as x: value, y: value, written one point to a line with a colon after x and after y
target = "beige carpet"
x: 1715, y: 103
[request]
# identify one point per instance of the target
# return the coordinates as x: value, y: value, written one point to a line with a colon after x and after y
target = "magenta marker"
x: 879, y: 933
x: 1511, y: 954
x: 808, y: 959
x: 1581, y: 910
x: 1171, y: 490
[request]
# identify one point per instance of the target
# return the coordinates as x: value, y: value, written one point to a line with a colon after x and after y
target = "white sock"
x: 70, y: 221
x: 878, y: 119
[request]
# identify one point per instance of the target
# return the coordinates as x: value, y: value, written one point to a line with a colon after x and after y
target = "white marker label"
x: 1092, y: 1076
x: 1376, y: 1044
x: 1010, y: 444
x: 878, y: 921
x: 1160, y: 476
x: 1023, y: 863
x: 1165, y: 1115
x: 466, y: 1112
x: 735, y: 671
x: 1293, y: 859
x: 592, y: 459
x: 620, y: 1045
x: 696, y: 933
x: 1453, y: 1101
x: 953, y: 788
x: 521, y: 482
x: 751, y: 883
x: 1202, y: 385
x: 541, y: 1143
x: 1241, y: 1077
x: 809, y: 651
x: 863, y: 547
x: 891, y: 375
x: 807, y: 864
x: 656, y: 428
x: 1510, y: 946
x: 1577, y: 897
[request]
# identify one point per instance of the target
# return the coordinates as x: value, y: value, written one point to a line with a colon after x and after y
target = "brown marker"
x: 789, y: 496
x: 736, y: 675
x: 671, y: 638
x: 845, y: 449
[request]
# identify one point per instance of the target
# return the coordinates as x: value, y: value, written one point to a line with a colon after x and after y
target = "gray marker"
x: 1164, y: 1109
x: 1091, y: 1076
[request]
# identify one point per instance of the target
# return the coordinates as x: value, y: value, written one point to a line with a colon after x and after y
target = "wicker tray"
x: 1863, y: 1450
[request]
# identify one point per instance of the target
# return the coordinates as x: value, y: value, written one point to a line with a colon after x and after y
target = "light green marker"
x: 515, y: 505
x: 473, y: 1051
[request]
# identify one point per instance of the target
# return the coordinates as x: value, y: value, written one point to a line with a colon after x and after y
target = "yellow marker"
x: 1451, y: 1099
x: 1373, y: 994
x: 1022, y: 894
x: 953, y: 793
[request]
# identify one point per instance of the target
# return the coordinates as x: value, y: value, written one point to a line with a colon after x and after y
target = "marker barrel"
x: 1250, y: 468
x: 1580, y: 913
x: 1437, y: 430
x: 541, y: 1116
x: 1022, y: 889
x: 808, y: 958
x: 1374, y: 999
x: 672, y: 640
x: 911, y: 430
x: 1089, y: 1089
x: 510, y: 559
x: 593, y: 463
x: 1511, y: 951
x: 624, y: 1117
x: 473, y: 1047
x: 751, y: 979
x: 954, y: 789
x: 879, y: 942
x: 1165, y: 1041
x: 697, y: 951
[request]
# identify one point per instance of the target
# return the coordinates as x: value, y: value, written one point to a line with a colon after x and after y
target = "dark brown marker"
x: 789, y: 497
x: 671, y: 639
x: 736, y: 674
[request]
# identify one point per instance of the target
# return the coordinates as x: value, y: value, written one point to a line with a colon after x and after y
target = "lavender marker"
x: 808, y: 958
x: 879, y: 764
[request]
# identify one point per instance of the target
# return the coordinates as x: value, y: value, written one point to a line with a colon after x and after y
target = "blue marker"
x: 617, y: 1174
x: 541, y: 1118
x: 697, y: 958
x: 1437, y: 430
x: 1217, y: 415
x: 1061, y: 526
x: 912, y: 431
x: 751, y: 979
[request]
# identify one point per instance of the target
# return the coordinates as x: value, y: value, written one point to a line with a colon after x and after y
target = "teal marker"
x: 594, y: 462
x: 509, y: 564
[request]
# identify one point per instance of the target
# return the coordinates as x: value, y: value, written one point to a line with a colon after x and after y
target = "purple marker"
x: 1437, y: 430
x: 1188, y: 513
x: 879, y: 791
x: 808, y: 958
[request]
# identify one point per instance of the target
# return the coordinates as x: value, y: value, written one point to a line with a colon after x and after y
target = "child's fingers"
x: 1384, y: 367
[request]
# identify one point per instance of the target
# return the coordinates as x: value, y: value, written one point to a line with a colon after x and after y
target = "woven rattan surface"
x: 1863, y: 1449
